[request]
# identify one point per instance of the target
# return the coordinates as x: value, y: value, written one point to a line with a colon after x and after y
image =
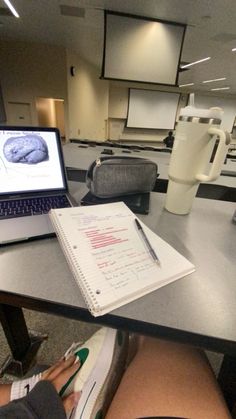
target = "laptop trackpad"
x: 23, y: 228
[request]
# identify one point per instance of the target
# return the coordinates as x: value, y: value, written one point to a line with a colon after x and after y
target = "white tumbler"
x: 196, y: 134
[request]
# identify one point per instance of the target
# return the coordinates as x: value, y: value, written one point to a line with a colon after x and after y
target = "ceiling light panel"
x: 11, y: 7
x: 196, y: 62
x: 210, y: 81
x: 188, y: 84
x: 221, y: 88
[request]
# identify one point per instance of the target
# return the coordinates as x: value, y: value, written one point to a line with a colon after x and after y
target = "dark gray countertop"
x: 199, y: 308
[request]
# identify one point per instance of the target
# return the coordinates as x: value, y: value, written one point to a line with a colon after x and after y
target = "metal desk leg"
x: 23, y: 345
x: 227, y: 381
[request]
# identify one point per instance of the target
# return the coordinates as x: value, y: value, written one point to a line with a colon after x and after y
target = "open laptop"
x: 32, y: 181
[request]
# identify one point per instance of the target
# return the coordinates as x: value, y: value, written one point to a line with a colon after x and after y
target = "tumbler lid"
x: 190, y: 112
x: 211, y: 113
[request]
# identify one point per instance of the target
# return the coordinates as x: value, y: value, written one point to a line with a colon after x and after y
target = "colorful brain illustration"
x: 29, y: 149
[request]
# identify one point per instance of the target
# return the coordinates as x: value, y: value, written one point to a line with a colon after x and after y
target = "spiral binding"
x: 86, y: 291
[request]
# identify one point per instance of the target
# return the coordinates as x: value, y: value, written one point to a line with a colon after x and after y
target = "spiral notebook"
x: 109, y: 258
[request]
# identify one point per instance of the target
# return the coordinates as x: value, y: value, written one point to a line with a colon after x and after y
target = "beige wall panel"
x: 31, y: 70
x: 88, y: 100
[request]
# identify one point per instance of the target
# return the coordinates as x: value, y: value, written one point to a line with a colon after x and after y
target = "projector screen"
x: 152, y: 109
x: 141, y: 49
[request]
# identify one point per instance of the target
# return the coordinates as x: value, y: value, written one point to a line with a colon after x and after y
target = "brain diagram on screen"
x: 28, y: 149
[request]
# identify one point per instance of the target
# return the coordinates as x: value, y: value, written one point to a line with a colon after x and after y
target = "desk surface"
x: 198, y: 309
x: 81, y: 156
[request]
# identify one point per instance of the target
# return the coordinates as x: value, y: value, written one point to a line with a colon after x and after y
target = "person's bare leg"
x: 5, y: 392
x: 168, y: 379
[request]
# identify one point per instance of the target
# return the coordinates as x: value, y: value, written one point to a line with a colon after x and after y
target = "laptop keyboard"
x: 31, y: 206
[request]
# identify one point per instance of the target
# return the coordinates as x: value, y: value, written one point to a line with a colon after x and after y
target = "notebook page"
x: 114, y: 261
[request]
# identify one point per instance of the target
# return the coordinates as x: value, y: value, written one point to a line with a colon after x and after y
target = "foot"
x: 102, y: 360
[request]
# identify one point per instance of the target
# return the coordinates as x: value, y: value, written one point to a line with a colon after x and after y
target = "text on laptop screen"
x: 29, y: 161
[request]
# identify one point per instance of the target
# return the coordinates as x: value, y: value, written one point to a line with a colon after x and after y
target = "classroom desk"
x: 199, y: 309
x: 80, y: 156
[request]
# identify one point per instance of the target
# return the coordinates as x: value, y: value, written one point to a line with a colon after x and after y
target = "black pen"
x: 150, y: 249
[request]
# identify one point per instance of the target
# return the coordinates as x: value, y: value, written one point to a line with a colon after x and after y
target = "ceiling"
x: 211, y: 31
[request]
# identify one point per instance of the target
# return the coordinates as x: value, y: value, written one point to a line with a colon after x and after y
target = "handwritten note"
x: 108, y: 257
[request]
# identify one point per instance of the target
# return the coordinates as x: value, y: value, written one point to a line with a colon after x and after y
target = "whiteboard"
x: 227, y: 104
x: 152, y: 109
x: 141, y: 49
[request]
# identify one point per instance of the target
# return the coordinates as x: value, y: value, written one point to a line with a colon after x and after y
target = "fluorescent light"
x: 221, y: 88
x: 195, y: 62
x: 233, y: 49
x: 209, y: 81
x: 12, y: 9
x: 188, y: 84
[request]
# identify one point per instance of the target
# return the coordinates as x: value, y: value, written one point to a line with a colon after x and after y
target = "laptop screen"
x: 30, y: 160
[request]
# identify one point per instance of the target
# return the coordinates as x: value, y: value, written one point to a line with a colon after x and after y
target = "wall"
x: 60, y: 116
x: 31, y: 70
x: 88, y: 100
x: 95, y: 109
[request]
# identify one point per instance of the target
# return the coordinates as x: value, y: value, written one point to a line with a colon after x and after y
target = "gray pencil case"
x: 109, y: 177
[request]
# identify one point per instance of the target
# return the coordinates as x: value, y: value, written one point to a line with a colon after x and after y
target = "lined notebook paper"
x: 108, y: 257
